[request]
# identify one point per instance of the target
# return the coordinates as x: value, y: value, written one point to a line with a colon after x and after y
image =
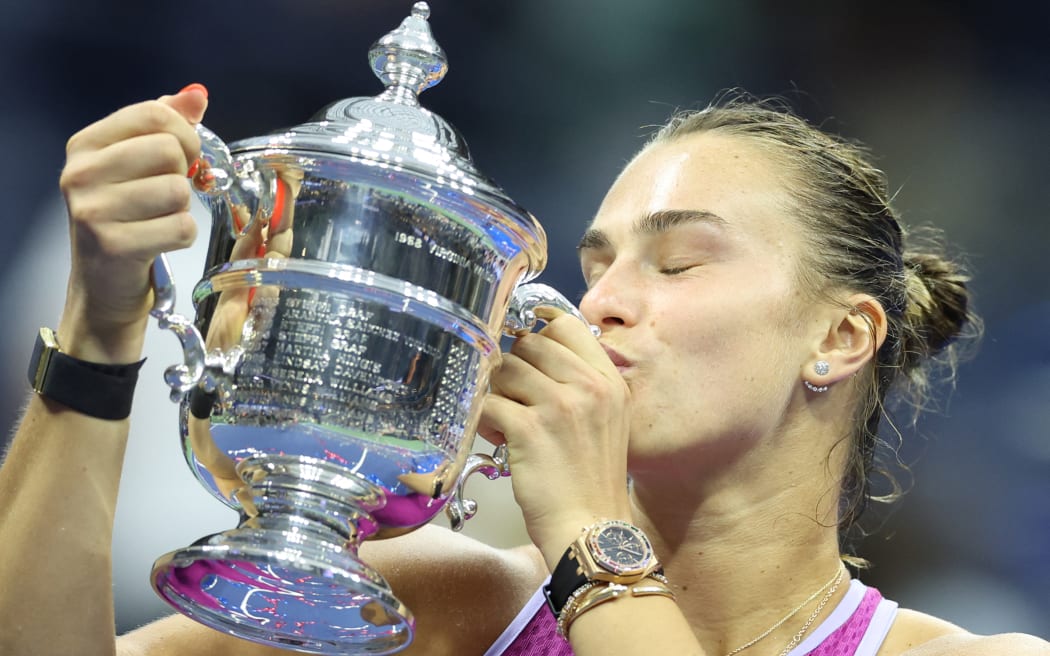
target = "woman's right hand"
x: 125, y: 187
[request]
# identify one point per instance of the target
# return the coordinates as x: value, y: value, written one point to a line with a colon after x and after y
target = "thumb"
x: 190, y: 101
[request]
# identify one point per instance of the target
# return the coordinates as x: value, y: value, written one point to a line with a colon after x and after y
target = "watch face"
x: 620, y: 547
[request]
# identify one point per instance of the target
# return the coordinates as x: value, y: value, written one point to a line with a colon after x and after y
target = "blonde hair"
x: 857, y: 244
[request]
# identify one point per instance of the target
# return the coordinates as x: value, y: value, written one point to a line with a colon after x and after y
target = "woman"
x: 756, y: 303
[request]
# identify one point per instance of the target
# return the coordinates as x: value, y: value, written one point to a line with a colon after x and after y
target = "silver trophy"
x: 359, y: 276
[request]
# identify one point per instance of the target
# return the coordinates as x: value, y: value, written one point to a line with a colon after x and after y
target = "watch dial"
x: 620, y: 547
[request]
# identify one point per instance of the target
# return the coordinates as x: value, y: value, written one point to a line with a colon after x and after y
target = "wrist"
x: 104, y: 391
x: 606, y: 560
x: 557, y: 540
x: 592, y: 594
x: 103, y: 342
x: 560, y: 536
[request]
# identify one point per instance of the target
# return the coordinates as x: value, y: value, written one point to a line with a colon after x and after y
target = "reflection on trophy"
x: 359, y: 276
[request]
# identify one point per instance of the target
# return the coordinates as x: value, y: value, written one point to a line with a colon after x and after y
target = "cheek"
x: 741, y: 333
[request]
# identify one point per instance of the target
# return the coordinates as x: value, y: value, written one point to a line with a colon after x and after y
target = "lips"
x: 622, y: 364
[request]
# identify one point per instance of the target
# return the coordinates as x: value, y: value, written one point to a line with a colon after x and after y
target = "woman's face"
x: 691, y: 268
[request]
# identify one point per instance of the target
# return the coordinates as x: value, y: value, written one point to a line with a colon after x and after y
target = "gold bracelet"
x: 648, y: 590
x: 593, y: 594
x: 570, y: 605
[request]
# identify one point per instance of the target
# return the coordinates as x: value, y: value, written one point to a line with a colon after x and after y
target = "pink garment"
x: 538, y: 638
x: 845, y: 640
x: 856, y: 627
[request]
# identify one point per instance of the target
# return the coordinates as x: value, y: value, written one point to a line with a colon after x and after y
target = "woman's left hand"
x: 563, y: 410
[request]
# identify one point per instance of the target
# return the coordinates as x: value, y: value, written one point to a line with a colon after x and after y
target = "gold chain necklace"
x: 805, y: 627
x: 833, y: 583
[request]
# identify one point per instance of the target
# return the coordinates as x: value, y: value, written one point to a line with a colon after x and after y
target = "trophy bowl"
x: 359, y: 276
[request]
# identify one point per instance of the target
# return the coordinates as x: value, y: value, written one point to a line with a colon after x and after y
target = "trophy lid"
x: 392, y: 130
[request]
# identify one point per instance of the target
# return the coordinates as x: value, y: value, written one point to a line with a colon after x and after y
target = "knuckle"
x: 565, y: 404
x: 603, y: 391
x: 75, y: 175
x: 155, y: 115
x: 68, y: 181
x: 184, y: 230
x: 529, y: 424
x: 523, y: 343
x: 73, y: 143
x: 509, y: 360
x: 594, y: 388
x: 177, y: 192
x: 85, y: 211
x: 170, y: 154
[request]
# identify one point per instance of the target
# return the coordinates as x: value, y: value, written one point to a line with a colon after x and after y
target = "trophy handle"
x: 526, y: 299
x: 244, y: 194
x: 521, y: 319
x: 179, y: 377
x: 460, y: 508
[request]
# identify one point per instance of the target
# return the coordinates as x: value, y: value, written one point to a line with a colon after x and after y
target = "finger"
x: 149, y: 117
x: 498, y: 415
x: 191, y: 102
x: 140, y: 240
x: 138, y: 157
x: 490, y: 434
x: 547, y: 312
x: 576, y: 336
x: 558, y: 359
x: 134, y: 200
x: 519, y: 381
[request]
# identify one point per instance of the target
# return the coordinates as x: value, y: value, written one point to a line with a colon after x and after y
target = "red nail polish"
x: 196, y: 86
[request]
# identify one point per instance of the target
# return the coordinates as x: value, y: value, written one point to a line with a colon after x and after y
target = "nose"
x: 613, y: 300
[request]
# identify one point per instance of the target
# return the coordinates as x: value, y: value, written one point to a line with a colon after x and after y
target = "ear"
x: 853, y: 338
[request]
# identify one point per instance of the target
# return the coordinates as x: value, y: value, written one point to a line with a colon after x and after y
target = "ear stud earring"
x: 821, y: 368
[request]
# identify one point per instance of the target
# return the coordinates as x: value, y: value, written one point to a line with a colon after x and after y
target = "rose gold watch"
x: 611, y: 551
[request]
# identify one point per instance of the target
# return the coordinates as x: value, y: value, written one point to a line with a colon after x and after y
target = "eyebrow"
x: 653, y: 223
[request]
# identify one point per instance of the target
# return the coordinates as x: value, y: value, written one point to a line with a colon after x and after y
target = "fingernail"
x: 196, y: 86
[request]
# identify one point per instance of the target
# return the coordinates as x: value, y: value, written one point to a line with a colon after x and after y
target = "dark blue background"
x: 553, y: 97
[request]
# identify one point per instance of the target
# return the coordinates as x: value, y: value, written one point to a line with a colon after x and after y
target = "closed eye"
x: 670, y: 271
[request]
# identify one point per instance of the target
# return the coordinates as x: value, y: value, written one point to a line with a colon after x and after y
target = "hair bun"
x: 938, y: 305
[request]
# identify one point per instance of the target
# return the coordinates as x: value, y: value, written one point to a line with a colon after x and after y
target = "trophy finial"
x: 408, y: 59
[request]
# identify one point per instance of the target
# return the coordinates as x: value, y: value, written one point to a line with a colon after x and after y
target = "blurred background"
x: 553, y: 97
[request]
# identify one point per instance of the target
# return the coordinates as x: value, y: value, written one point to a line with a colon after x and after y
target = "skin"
x: 695, y: 388
x: 718, y: 459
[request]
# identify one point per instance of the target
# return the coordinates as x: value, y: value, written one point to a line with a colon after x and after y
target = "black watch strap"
x: 565, y: 579
x: 98, y: 390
